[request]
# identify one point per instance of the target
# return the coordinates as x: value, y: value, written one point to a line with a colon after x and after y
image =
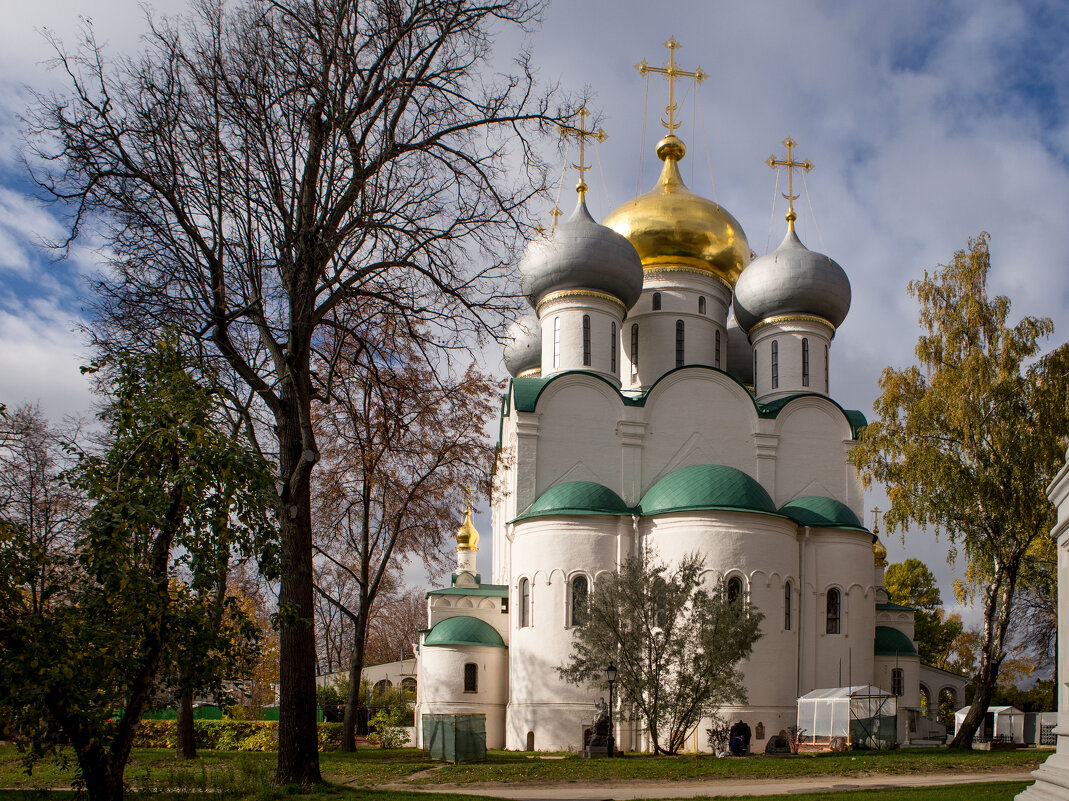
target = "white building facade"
x: 670, y: 395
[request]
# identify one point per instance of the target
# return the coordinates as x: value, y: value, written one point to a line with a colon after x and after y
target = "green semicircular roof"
x: 576, y: 498
x: 464, y: 630
x: 820, y: 512
x: 706, y: 486
x: 890, y: 642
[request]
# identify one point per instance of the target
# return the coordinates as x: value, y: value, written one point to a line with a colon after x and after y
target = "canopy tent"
x: 1005, y: 723
x: 863, y: 716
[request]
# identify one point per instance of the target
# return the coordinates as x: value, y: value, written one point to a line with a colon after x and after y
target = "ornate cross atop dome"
x: 671, y: 72
x: 791, y: 165
x: 582, y: 134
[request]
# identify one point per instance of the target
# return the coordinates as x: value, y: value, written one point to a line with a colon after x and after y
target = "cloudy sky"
x: 927, y: 122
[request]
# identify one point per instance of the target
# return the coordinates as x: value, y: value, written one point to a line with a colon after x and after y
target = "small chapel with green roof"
x: 671, y: 393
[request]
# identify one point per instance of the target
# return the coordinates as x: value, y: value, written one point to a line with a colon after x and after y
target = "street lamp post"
x: 610, y: 676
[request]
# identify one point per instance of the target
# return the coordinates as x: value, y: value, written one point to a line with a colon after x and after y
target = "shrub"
x: 388, y: 728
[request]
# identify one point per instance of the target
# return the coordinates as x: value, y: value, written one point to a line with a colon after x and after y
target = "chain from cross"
x: 671, y: 72
x: 582, y: 134
x: 791, y: 165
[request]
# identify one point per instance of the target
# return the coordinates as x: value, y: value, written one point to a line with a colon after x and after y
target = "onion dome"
x: 672, y: 226
x: 464, y: 630
x: 580, y: 254
x: 467, y: 536
x: 792, y: 279
x: 523, y: 346
x: 740, y: 356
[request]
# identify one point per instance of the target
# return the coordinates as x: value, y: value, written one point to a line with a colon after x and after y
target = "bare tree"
x: 403, y: 437
x: 259, y: 164
x: 394, y: 626
x: 36, y: 498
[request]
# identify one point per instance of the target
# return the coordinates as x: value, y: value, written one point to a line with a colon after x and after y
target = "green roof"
x: 892, y: 607
x: 706, y: 486
x: 890, y: 642
x: 576, y: 498
x: 493, y: 590
x: 524, y: 393
x: 820, y: 512
x: 464, y: 630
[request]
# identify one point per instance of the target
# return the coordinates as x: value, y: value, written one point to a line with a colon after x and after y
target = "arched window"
x: 579, y: 591
x: 679, y: 343
x: 898, y: 684
x: 805, y: 362
x: 775, y: 364
x: 525, y: 603
x: 408, y: 687
x: 471, y: 678
x: 530, y: 741
x: 634, y: 352
x: 827, y: 383
x: 755, y: 367
x: 380, y: 688
x: 656, y: 301
x: 734, y: 589
x: 834, y: 611
x: 612, y: 349
x: 556, y: 341
x: 701, y: 305
x: 717, y: 348
x: 787, y: 606
x: 586, y: 340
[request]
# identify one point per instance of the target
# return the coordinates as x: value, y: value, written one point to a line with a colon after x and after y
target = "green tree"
x: 677, y: 644
x: 86, y: 666
x: 911, y: 583
x: 968, y: 439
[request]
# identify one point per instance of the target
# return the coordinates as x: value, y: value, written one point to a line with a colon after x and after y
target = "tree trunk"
x: 101, y: 782
x: 356, y: 670
x: 187, y: 744
x: 998, y: 604
x: 298, y: 742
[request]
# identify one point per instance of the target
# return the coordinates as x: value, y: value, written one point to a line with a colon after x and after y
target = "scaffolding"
x: 838, y: 718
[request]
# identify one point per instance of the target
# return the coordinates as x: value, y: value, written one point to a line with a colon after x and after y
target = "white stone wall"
x: 441, y: 687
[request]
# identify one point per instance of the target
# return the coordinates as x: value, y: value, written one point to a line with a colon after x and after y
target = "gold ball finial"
x: 671, y: 147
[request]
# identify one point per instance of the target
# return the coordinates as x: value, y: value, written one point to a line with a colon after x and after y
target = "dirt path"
x: 595, y: 791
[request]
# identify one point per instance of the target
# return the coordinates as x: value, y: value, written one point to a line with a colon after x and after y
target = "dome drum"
x: 523, y: 346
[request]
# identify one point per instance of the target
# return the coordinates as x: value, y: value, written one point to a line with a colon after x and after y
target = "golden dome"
x: 672, y: 226
x: 467, y: 536
x: 879, y: 553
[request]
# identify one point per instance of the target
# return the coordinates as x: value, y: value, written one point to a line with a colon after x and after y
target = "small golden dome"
x: 467, y: 536
x: 879, y: 553
x: 672, y: 226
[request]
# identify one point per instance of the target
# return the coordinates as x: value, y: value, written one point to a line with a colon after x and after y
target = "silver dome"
x: 523, y: 345
x: 740, y: 354
x: 580, y: 254
x: 792, y: 279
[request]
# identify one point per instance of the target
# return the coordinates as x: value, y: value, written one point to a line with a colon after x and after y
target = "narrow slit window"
x: 775, y: 364
x: 579, y: 592
x: 787, y: 606
x: 734, y: 590
x: 586, y: 340
x: 805, y: 362
x: 656, y: 301
x: 834, y: 611
x: 556, y: 341
x: 525, y: 603
x: 701, y: 305
x: 471, y: 678
x: 755, y: 368
x: 827, y: 383
x: 634, y: 351
x: 717, y: 348
x: 612, y: 349
x: 679, y: 343
x: 898, y: 684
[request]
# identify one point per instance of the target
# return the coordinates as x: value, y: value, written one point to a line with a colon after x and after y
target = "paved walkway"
x: 713, y: 787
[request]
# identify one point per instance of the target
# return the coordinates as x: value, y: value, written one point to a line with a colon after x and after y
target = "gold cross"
x: 467, y: 498
x: 875, y: 520
x: 671, y: 72
x: 556, y: 213
x: 582, y: 134
x: 790, y: 164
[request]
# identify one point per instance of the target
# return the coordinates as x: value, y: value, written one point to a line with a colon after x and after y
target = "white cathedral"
x: 670, y: 393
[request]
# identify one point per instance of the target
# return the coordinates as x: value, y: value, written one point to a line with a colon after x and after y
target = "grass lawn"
x: 355, y: 777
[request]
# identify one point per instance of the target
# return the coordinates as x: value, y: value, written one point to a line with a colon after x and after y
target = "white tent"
x: 861, y: 714
x: 1002, y: 723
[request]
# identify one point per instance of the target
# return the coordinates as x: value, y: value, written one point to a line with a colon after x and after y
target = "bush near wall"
x: 229, y: 735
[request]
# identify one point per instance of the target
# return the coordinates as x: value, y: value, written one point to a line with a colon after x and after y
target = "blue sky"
x: 927, y: 122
